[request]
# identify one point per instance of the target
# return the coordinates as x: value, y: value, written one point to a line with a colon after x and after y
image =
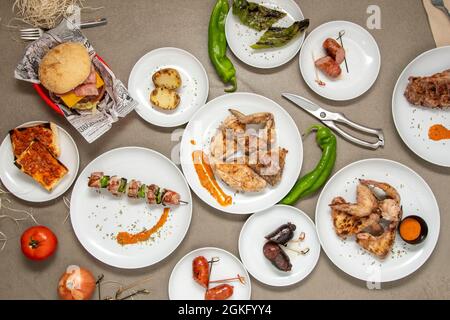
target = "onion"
x: 76, y: 284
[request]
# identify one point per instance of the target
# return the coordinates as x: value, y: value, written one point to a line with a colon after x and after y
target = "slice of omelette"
x: 40, y: 164
x: 46, y: 133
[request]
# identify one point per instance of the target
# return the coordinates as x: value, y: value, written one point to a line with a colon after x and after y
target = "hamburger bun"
x: 64, y: 67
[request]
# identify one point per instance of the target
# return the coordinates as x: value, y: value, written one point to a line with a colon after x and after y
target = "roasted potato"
x: 167, y: 78
x: 164, y: 98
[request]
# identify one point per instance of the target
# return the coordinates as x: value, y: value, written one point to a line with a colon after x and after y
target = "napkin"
x: 439, y: 23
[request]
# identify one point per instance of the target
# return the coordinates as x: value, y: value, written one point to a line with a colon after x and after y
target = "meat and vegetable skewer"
x: 152, y: 193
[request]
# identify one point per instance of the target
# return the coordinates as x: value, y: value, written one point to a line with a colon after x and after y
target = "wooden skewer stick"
x: 341, y: 34
x: 239, y: 278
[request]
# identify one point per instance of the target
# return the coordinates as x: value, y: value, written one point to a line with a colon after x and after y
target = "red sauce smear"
x: 438, y: 132
x: 125, y: 238
x: 207, y: 179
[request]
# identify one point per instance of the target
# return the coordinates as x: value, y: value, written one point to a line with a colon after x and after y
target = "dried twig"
x: 122, y: 289
x: 3, y: 237
x: 67, y: 204
x: 29, y: 214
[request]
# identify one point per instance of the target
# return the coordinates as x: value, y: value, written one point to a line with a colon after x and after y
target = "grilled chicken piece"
x: 239, y: 176
x: 347, y: 225
x: 271, y: 170
x: 114, y: 184
x: 390, y: 191
x: 381, y: 245
x: 94, y: 179
x: 133, y: 188
x: 366, y: 203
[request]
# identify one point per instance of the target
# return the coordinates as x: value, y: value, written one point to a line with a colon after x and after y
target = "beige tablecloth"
x: 138, y: 26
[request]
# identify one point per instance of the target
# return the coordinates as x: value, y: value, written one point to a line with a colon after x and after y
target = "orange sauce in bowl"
x: 207, y: 179
x: 125, y: 238
x: 438, y: 132
x: 410, y: 229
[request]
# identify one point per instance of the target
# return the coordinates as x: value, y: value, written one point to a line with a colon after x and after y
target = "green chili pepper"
x: 104, y: 181
x: 217, y: 45
x: 315, y: 179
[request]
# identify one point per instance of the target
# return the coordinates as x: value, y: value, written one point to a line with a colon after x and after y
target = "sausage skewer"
x: 135, y: 189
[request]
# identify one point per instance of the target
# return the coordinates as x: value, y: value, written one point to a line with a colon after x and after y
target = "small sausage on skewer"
x: 328, y: 66
x: 221, y: 292
x: 277, y: 256
x: 334, y: 50
x: 282, y: 234
x: 200, y: 271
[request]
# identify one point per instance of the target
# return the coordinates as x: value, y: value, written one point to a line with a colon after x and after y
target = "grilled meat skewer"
x: 152, y: 193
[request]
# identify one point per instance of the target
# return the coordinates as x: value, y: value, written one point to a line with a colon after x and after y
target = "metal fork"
x: 31, y: 34
x: 440, y: 5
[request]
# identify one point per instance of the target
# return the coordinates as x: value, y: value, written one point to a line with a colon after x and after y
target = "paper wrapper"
x: 116, y: 102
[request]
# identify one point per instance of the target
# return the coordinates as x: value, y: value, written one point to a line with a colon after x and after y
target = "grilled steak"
x: 430, y: 92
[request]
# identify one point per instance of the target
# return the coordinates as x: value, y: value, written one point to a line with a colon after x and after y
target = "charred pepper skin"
x: 315, y: 179
x: 217, y: 45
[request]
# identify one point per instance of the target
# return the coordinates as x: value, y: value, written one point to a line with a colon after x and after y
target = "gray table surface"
x: 136, y: 27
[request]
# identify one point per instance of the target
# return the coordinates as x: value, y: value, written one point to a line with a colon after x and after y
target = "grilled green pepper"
x: 315, y: 179
x: 122, y: 186
x: 278, y: 37
x: 256, y: 16
x: 217, y: 45
x: 159, y: 195
x: 142, y: 191
x: 104, y: 181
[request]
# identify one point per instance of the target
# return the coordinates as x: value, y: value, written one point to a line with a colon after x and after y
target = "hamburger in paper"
x: 64, y: 65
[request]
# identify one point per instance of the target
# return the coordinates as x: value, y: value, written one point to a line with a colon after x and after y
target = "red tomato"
x: 38, y: 243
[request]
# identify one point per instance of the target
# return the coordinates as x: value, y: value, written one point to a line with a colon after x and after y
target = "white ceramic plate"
x: 417, y: 199
x: 362, y: 54
x: 251, y: 242
x: 183, y: 287
x: 22, y: 185
x: 203, y: 126
x: 193, y: 91
x: 241, y: 37
x: 97, y: 216
x: 412, y: 122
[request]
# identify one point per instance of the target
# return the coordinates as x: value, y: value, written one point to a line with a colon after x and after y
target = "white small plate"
x: 251, y: 242
x: 97, y: 216
x: 193, y: 91
x: 22, y: 185
x: 241, y: 37
x: 204, y: 125
x: 182, y: 286
x: 416, y: 199
x: 412, y: 122
x: 362, y: 54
